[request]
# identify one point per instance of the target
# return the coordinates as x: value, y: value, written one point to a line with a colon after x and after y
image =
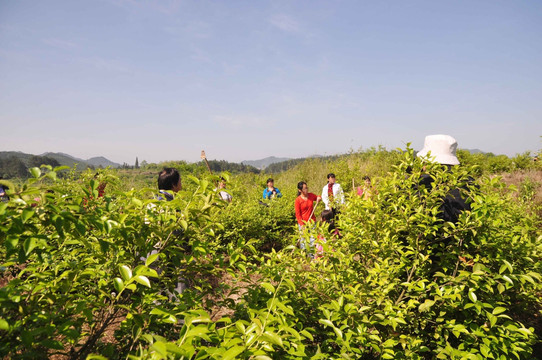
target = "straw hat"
x: 442, y: 149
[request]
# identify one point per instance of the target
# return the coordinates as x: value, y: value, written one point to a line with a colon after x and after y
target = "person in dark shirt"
x: 442, y: 149
x: 169, y: 183
x: 169, y: 180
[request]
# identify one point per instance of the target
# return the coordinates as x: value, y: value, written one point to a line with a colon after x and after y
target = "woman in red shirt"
x: 304, y: 208
x: 304, y: 204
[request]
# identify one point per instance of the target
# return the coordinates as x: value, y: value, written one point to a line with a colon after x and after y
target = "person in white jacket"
x: 332, y: 193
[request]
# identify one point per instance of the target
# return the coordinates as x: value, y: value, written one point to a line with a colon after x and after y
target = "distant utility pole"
x: 137, y: 163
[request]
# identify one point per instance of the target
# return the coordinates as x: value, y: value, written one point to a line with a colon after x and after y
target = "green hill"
x: 15, y: 164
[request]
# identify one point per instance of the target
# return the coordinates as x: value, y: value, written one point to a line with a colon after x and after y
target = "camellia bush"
x: 126, y: 276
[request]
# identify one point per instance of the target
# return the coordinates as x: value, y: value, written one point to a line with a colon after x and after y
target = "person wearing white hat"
x: 440, y: 149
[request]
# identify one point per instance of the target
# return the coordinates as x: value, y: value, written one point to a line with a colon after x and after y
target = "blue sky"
x: 162, y: 80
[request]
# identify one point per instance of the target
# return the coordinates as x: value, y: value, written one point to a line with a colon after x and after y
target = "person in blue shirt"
x: 271, y: 192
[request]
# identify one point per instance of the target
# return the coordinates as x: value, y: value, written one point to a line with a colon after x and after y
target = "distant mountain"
x: 15, y: 164
x: 101, y: 161
x: 16, y: 154
x: 263, y: 163
x: 475, y: 151
x: 66, y: 159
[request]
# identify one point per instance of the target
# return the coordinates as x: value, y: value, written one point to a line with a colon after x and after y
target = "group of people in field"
x: 440, y: 149
x: 333, y: 197
x: 437, y: 148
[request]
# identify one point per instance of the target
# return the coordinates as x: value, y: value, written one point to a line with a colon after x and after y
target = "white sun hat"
x: 442, y: 149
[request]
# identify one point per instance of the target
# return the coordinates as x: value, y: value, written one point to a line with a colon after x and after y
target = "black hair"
x: 330, y: 175
x: 300, y: 187
x: 269, y: 180
x: 366, y: 178
x: 328, y: 216
x: 168, y: 178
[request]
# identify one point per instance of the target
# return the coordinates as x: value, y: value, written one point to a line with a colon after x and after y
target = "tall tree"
x: 137, y: 163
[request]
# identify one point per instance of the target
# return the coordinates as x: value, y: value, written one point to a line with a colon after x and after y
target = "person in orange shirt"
x: 304, y: 209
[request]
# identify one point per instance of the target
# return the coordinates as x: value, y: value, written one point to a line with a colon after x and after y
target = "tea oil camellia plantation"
x: 93, y: 266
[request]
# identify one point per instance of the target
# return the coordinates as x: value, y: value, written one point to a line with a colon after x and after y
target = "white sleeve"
x: 340, y: 194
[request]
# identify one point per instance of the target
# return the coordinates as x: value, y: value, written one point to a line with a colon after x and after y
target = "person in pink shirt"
x: 366, y: 191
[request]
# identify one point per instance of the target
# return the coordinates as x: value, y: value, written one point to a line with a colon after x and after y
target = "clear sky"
x: 162, y: 80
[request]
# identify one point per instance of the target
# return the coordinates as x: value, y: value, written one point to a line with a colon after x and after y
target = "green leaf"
x: 307, y: 334
x: 36, y: 172
x: 172, y: 348
x: 166, y: 317
x: 507, y: 279
x: 272, y: 338
x: 119, y: 284
x: 284, y: 308
x: 484, y: 349
x: 338, y: 332
x: 143, y: 280
x: 326, y: 322
x: 267, y: 286
x: 240, y: 326
x: 59, y: 168
x: 492, y: 320
x: 160, y: 348
x: 509, y: 266
x: 528, y: 278
x: 472, y: 296
x: 194, y: 179
x: 525, y: 331
x: 199, y: 331
x: 151, y: 259
x: 29, y: 245
x: 498, y: 310
x: 125, y: 272
x: 95, y: 357
x: 51, y: 175
x: 137, y: 202
x: 4, y: 324
x: 426, y: 305
x: 27, y: 214
x: 233, y: 352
